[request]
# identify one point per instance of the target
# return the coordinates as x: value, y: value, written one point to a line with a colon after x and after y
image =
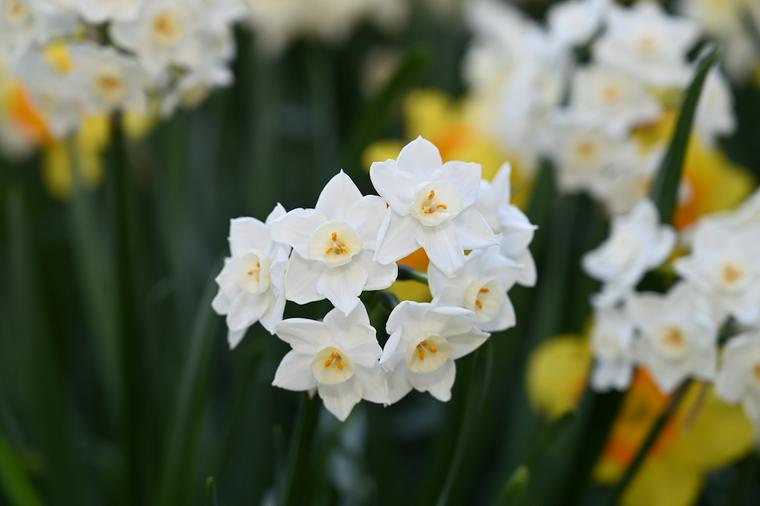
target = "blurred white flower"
x: 101, y: 11
x: 611, y: 99
x: 424, y: 342
x: 715, y: 112
x: 636, y: 244
x: 333, y: 247
x: 574, y: 22
x: 510, y: 223
x: 18, y: 27
x: 648, y: 44
x: 739, y: 376
x: 108, y: 80
x: 251, y: 282
x: 338, y: 356
x: 431, y: 205
x: 725, y: 265
x: 481, y: 286
x: 678, y: 335
x: 612, y: 346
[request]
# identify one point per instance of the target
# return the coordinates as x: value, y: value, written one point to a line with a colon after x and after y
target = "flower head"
x: 739, y: 376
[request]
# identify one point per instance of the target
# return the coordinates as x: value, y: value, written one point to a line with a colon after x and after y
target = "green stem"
x: 295, y: 487
x: 409, y: 274
x: 651, y: 437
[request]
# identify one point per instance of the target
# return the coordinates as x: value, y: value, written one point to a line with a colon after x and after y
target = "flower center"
x: 484, y: 297
x: 428, y: 354
x: 647, y: 44
x: 611, y: 94
x: 437, y: 203
x: 110, y: 86
x: 16, y: 12
x: 166, y: 27
x: 254, y: 273
x: 732, y: 274
x: 334, y: 243
x: 331, y: 366
x: 672, y: 342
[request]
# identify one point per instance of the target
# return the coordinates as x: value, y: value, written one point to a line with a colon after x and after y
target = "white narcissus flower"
x: 739, y: 376
x: 424, y: 342
x: 334, y: 246
x: 108, y: 80
x: 431, y: 205
x: 165, y: 33
x: 101, y: 11
x: 678, y: 335
x: 715, y: 112
x: 514, y: 229
x: 637, y: 243
x: 251, y: 282
x: 612, y: 346
x: 338, y: 357
x: 481, y: 286
x: 611, y: 99
x: 18, y: 26
x: 648, y: 44
x: 725, y: 265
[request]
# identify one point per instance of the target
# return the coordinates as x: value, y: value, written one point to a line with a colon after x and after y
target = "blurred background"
x: 117, y: 385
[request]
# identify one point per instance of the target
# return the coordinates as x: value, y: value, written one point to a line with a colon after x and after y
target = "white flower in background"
x: 725, y: 21
x: 606, y: 97
x: 715, y: 112
x: 431, y: 206
x: 52, y: 91
x: 725, y: 265
x: 612, y: 346
x: 739, y: 376
x: 481, y: 286
x: 193, y: 87
x: 18, y: 28
x: 637, y: 243
x: 514, y: 229
x: 334, y: 246
x: 648, y: 44
x: 629, y: 181
x: 251, y: 284
x: 108, y: 80
x: 338, y: 356
x: 220, y: 14
x: 677, y: 335
x: 274, y: 22
x: 424, y: 342
x: 101, y: 11
x: 165, y: 33
x: 574, y: 22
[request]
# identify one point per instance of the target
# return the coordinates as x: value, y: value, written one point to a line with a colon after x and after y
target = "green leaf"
x: 664, y: 191
x: 515, y: 487
x: 18, y: 487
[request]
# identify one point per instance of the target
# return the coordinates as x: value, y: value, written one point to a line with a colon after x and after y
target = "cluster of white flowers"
x: 349, y: 243
x: 277, y: 23
x: 116, y: 55
x: 677, y: 335
x: 635, y: 68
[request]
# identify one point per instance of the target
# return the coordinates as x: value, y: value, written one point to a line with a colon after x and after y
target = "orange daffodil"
x: 349, y: 244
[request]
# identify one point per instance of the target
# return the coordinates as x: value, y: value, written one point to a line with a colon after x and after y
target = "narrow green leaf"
x: 371, y: 120
x: 18, y: 488
x: 295, y: 489
x: 211, y: 496
x: 664, y: 191
x: 514, y: 490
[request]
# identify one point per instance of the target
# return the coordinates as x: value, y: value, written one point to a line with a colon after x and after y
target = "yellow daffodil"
x: 704, y: 434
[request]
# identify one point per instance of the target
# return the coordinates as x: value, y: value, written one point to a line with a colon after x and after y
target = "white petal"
x: 407, y: 313
x: 449, y: 320
x: 297, y: 227
x: 340, y: 399
x: 473, y: 231
x: 294, y: 372
x: 398, y: 384
x: 343, y: 285
x: 366, y: 217
x: 277, y: 213
x: 273, y: 315
x: 392, y: 352
x: 221, y: 303
x: 247, y: 309
x: 234, y: 337
x: 397, y: 238
x: 374, y: 386
x: 505, y: 318
x: 466, y: 179
x: 421, y: 158
x: 360, y: 344
x: 301, y: 280
x: 249, y: 234
x: 304, y: 336
x: 338, y: 196
x: 528, y: 275
x: 379, y: 276
x: 464, y: 344
x: 395, y: 186
x: 438, y: 382
x: 442, y: 246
